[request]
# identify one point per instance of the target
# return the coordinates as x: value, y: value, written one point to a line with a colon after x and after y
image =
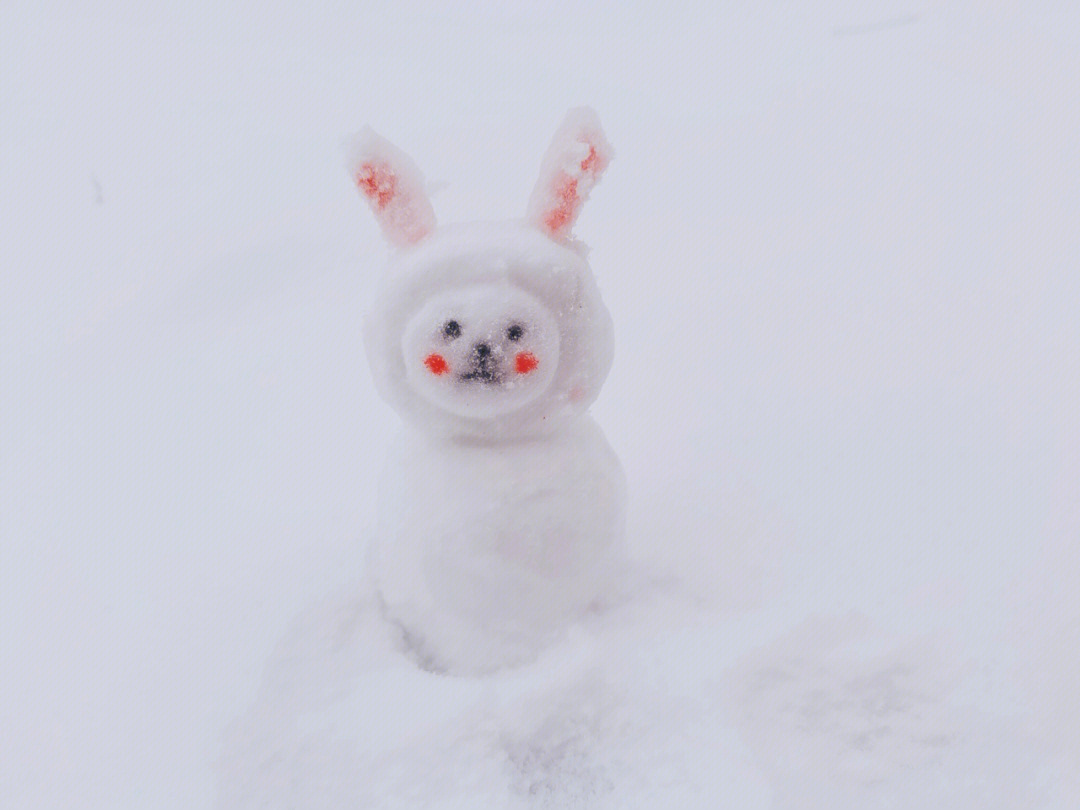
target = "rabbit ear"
x: 577, y: 157
x: 393, y: 186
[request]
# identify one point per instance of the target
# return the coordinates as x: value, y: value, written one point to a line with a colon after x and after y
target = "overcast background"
x: 840, y: 242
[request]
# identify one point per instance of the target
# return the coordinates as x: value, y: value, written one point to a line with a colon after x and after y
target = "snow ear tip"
x: 393, y: 186
x: 573, y: 164
x: 584, y: 114
x: 361, y: 143
x: 584, y: 124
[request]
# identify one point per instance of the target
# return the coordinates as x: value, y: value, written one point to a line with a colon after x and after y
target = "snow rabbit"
x: 503, y: 504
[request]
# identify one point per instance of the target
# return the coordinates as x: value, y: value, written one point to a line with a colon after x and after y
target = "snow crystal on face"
x: 479, y: 333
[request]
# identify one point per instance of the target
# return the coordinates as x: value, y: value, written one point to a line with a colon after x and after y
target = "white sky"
x: 840, y: 242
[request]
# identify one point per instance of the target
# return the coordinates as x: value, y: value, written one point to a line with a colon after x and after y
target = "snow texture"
x: 393, y: 186
x: 840, y: 250
x: 487, y: 552
x: 598, y: 720
x: 500, y: 275
x: 504, y: 506
x: 577, y: 157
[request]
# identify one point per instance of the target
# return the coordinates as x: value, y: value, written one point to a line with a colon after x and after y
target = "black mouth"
x: 481, y: 374
x: 482, y: 370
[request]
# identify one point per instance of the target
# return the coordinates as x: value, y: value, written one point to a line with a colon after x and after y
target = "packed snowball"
x: 503, y: 503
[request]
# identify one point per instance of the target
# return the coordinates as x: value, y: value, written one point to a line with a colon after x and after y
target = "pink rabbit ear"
x: 577, y: 157
x: 393, y: 186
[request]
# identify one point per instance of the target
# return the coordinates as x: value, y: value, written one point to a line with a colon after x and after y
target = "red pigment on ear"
x: 436, y: 364
x: 589, y: 163
x: 566, y: 193
x: 378, y: 183
x: 525, y: 362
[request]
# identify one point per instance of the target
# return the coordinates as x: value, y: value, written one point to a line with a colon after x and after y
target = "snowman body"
x: 487, y: 551
x: 502, y: 508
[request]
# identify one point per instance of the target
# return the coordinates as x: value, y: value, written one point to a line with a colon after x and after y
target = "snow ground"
x: 840, y: 245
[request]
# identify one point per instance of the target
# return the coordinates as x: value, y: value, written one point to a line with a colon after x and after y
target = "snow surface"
x: 840, y: 246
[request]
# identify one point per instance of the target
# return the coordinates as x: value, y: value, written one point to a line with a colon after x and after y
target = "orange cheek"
x: 436, y: 364
x: 525, y: 362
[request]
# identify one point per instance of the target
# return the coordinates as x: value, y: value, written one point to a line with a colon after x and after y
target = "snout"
x: 482, y: 365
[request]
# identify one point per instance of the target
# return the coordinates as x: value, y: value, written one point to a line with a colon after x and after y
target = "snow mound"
x: 644, y: 706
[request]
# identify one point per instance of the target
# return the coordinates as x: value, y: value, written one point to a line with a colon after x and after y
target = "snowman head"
x: 488, y: 330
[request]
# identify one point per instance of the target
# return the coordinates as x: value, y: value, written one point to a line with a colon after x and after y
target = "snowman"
x: 502, y: 509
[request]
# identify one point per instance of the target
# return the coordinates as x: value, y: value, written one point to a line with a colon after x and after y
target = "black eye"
x: 515, y: 332
x: 451, y: 329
